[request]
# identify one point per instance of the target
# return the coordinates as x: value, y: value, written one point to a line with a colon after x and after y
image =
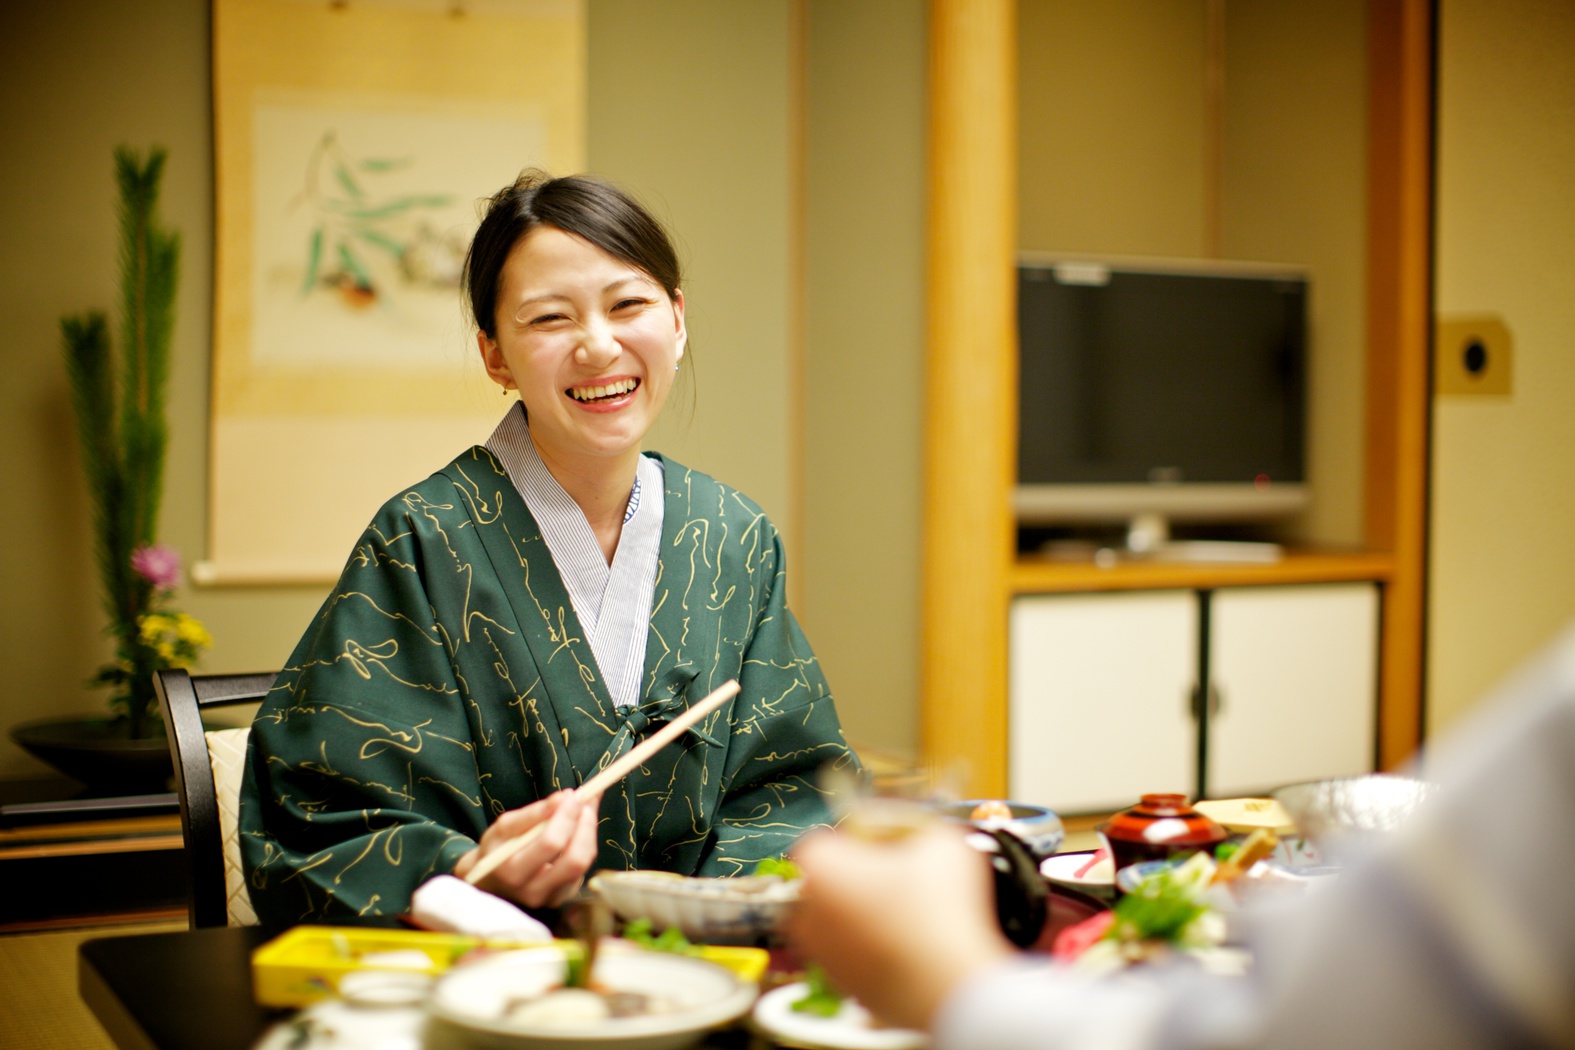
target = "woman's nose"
x: 598, y: 348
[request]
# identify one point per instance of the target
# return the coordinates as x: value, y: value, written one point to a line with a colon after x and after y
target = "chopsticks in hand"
x: 614, y: 772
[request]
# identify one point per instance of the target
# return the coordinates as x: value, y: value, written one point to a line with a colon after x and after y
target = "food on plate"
x: 820, y: 997
x: 671, y: 939
x: 1236, y: 862
x: 778, y: 866
x: 1166, y: 913
x: 991, y: 809
x: 564, y: 1007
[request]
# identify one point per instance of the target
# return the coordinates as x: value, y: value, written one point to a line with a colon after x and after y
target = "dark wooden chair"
x: 183, y: 698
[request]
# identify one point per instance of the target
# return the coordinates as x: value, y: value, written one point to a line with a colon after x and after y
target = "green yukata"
x: 447, y: 679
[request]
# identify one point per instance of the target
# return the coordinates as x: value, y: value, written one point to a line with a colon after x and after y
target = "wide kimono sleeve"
x: 785, y: 730
x: 362, y: 780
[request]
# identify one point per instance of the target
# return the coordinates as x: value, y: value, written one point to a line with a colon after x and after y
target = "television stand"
x: 1216, y: 551
x: 1148, y: 538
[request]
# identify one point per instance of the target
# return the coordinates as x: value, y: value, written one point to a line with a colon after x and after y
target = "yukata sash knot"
x: 638, y: 719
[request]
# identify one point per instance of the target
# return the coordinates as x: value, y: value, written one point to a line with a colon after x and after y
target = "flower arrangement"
x: 120, y: 416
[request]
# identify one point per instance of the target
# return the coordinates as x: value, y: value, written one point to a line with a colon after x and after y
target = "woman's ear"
x: 678, y: 319
x: 492, y: 359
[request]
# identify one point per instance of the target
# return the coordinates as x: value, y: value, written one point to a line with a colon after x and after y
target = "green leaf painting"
x: 353, y: 209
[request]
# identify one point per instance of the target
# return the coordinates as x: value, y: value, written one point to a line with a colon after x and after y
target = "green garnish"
x: 574, y: 975
x: 778, y: 866
x: 1157, y: 910
x: 669, y: 940
x: 1226, y: 850
x: 821, y: 999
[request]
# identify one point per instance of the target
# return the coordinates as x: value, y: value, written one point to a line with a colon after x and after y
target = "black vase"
x: 101, y: 752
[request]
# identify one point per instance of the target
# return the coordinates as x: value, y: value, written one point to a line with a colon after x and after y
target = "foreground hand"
x: 899, y: 925
x: 548, y: 870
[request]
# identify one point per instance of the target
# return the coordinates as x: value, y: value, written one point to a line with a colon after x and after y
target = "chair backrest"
x: 182, y: 699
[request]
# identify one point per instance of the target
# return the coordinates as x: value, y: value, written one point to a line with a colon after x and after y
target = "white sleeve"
x: 1040, y: 1004
x: 1456, y: 933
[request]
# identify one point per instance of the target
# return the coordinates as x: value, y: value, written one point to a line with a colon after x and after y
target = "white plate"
x: 334, y: 1024
x: 1063, y: 868
x: 469, y: 1003
x: 851, y: 1028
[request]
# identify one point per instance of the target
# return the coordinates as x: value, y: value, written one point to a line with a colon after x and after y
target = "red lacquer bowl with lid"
x: 1159, y: 827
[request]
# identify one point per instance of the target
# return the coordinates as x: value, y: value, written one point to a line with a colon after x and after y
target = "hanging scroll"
x: 353, y: 142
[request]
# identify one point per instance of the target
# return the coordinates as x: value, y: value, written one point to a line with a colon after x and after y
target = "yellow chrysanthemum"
x: 190, y: 630
x: 152, y: 625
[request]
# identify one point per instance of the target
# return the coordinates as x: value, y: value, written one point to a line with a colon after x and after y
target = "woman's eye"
x: 624, y: 304
x: 546, y: 319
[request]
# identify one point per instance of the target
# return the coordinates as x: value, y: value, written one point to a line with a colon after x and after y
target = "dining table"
x: 192, y: 989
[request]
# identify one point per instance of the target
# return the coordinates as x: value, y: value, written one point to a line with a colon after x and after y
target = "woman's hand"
x: 547, y: 871
x: 899, y: 925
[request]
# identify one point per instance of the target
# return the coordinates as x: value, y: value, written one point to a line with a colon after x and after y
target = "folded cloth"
x: 450, y: 905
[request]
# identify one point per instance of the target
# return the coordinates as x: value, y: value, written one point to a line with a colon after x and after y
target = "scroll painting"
x: 354, y: 142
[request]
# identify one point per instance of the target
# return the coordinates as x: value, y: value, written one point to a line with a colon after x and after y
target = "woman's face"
x: 591, y: 343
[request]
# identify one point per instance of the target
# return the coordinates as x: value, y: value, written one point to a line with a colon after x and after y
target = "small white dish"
x: 1073, y: 869
x: 850, y: 1028
x: 739, y: 910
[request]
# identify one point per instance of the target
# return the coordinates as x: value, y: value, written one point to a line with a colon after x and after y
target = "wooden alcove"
x: 970, y: 569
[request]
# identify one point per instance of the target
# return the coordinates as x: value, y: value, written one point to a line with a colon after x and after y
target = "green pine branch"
x: 120, y: 412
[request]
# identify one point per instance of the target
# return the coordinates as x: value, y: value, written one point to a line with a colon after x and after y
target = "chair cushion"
x: 227, y: 755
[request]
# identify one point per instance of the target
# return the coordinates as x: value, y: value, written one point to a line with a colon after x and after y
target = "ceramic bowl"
x: 469, y: 1006
x: 741, y: 910
x: 1084, y: 870
x: 1333, y: 813
x: 1037, y: 827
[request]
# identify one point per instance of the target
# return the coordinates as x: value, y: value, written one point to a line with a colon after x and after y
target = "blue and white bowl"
x: 1035, y: 826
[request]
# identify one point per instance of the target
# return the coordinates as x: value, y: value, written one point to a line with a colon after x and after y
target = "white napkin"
x: 451, y: 905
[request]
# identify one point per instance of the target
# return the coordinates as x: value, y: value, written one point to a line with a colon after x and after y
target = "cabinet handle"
x: 1194, y: 702
x: 1216, y: 701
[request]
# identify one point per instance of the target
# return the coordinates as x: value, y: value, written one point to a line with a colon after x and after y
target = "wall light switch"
x: 1472, y: 354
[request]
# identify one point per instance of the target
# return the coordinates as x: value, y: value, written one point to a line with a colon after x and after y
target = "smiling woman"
x: 516, y: 622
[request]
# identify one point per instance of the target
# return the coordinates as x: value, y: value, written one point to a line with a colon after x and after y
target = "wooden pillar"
x: 1399, y: 326
x: 971, y: 380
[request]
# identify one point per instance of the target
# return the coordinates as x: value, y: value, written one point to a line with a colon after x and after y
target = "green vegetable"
x: 1226, y: 850
x: 669, y: 940
x: 821, y: 999
x: 1158, y: 910
x: 778, y: 866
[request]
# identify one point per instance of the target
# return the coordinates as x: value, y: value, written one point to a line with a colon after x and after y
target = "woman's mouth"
x: 594, y: 394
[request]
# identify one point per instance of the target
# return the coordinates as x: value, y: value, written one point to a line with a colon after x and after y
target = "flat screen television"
x: 1171, y: 388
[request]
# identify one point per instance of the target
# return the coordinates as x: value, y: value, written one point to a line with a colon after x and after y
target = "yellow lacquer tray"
x: 307, y: 963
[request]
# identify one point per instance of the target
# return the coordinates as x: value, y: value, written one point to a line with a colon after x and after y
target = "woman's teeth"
x: 597, y: 393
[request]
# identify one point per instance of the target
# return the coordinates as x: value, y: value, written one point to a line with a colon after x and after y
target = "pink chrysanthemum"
x: 158, y: 564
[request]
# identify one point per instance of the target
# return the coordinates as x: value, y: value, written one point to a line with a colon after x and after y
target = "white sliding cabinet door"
x: 1295, y: 670
x: 1099, y: 698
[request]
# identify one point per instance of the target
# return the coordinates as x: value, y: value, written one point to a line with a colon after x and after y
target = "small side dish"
x: 1174, y: 910
x: 849, y: 1026
x: 637, y: 998
x: 740, y: 910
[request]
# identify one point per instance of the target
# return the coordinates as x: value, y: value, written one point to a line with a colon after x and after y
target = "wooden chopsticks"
x: 614, y: 772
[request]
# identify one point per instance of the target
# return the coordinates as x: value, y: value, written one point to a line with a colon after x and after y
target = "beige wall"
x: 1113, y: 160
x: 1502, y: 575
x: 1295, y: 192
x: 689, y: 107
x: 864, y: 354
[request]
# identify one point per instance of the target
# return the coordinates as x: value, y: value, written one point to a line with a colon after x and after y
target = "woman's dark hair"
x: 578, y: 204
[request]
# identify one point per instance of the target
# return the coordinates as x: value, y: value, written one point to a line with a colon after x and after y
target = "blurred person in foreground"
x: 1458, y: 931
